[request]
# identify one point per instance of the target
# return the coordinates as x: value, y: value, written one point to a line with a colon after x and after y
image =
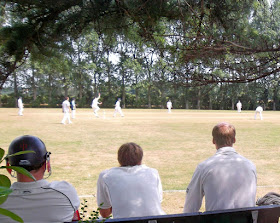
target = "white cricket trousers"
x: 66, y: 116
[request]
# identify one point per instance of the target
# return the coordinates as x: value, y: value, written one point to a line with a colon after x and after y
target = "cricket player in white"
x: 20, y: 106
x: 239, y: 106
x: 66, y: 110
x: 118, y: 108
x: 259, y: 110
x: 95, y: 104
x: 227, y: 179
x: 73, y: 108
x: 169, y: 106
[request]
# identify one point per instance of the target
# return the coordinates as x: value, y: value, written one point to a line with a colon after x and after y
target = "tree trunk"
x: 175, y: 92
x: 0, y: 98
x: 50, y: 89
x: 95, y: 84
x: 186, y: 95
x: 210, y: 103
x: 33, y: 84
x: 198, y: 98
x: 149, y: 97
x: 136, y: 92
x: 222, y: 97
x: 80, y: 88
x: 275, y: 99
x: 65, y: 88
x: 15, y: 88
x: 123, y: 89
x: 162, y: 99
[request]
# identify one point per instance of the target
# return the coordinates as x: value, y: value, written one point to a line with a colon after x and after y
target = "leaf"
x: 4, y: 192
x: 3, y: 199
x: 2, y: 152
x: 4, y: 181
x: 20, y: 153
x: 19, y: 170
x: 11, y: 215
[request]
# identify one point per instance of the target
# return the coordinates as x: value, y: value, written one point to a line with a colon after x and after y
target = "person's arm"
x: 103, y: 198
x: 160, y: 191
x: 194, y: 194
x: 69, y: 108
x: 105, y: 213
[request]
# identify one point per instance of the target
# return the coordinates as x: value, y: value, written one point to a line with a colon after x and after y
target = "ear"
x: 9, y: 170
x: 48, y: 165
x: 48, y: 162
x: 234, y: 141
x: 213, y: 141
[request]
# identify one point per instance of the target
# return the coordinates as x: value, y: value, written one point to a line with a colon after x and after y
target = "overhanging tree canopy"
x: 216, y: 41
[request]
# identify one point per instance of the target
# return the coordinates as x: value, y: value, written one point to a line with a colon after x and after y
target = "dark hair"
x: 130, y: 154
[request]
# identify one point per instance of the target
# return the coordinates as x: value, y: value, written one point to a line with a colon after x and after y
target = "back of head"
x: 223, y: 134
x: 130, y: 154
x: 29, y: 161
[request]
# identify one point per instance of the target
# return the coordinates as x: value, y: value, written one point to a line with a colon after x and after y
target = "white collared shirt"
x: 227, y: 180
x: 132, y: 191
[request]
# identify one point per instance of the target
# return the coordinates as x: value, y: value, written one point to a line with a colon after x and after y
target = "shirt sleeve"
x: 103, y: 196
x: 194, y: 194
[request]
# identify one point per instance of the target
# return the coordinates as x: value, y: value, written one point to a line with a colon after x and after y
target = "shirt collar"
x: 226, y: 149
x: 29, y: 185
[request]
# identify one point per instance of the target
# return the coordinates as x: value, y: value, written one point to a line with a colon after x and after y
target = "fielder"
x: 259, y: 110
x: 66, y: 110
x: 95, y: 104
x: 20, y: 106
x: 118, y: 108
x: 239, y: 106
x: 169, y: 105
x: 73, y: 108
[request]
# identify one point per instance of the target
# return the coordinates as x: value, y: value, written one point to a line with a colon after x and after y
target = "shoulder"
x: 149, y: 169
x: 63, y: 187
x: 104, y: 173
x: 247, y: 161
x: 206, y: 164
x: 67, y: 190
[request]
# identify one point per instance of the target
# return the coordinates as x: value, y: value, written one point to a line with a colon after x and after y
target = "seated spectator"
x: 131, y: 190
x: 227, y: 179
x: 38, y: 201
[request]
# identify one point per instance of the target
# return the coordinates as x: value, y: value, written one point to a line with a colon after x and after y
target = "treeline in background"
x: 200, y: 54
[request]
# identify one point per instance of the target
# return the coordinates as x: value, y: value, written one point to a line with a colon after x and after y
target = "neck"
x: 37, y: 174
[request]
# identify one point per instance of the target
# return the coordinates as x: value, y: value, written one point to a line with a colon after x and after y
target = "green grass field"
x: 173, y: 143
